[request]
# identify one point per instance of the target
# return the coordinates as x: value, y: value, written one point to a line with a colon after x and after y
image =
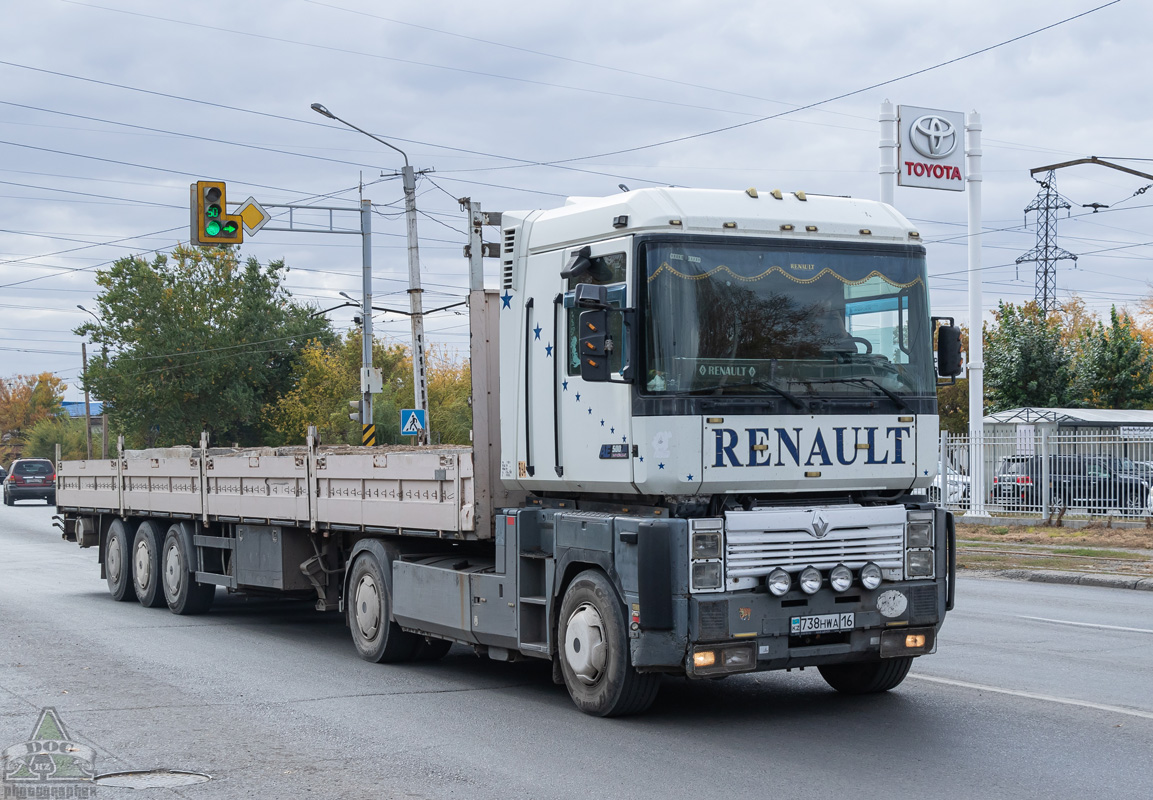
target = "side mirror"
x: 594, y: 344
x: 591, y: 295
x: 949, y: 351
x: 579, y: 263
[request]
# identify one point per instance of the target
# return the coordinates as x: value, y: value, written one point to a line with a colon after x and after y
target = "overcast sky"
x: 110, y: 108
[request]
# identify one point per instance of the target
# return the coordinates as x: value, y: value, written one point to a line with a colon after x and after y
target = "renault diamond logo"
x: 820, y: 525
x: 933, y: 136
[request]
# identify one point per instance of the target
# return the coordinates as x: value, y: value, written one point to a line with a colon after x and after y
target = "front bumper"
x: 763, y: 622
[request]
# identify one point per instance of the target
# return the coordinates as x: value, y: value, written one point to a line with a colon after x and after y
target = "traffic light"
x: 354, y: 413
x: 210, y: 223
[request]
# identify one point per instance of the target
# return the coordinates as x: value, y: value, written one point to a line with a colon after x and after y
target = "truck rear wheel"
x: 118, y: 560
x: 867, y: 678
x: 146, y: 565
x: 181, y: 591
x: 377, y: 637
x: 594, y: 654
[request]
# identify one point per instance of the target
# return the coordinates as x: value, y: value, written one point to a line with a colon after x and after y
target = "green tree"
x: 1114, y: 368
x: 195, y: 341
x: 26, y: 400
x: 66, y: 431
x: 1026, y: 361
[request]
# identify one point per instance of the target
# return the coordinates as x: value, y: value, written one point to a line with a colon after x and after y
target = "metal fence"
x: 1037, y: 472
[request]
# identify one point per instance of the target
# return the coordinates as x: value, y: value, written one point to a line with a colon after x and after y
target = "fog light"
x: 738, y: 658
x: 915, y: 640
x: 704, y: 658
x: 870, y: 576
x: 841, y: 578
x: 779, y: 582
x: 810, y: 580
x: 919, y: 563
x: 707, y: 575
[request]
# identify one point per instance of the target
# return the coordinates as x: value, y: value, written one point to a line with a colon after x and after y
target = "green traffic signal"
x: 212, y: 212
x: 212, y: 228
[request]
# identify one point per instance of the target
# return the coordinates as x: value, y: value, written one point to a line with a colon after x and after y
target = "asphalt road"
x: 1037, y: 691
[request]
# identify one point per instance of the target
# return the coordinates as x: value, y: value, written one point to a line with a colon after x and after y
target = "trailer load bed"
x: 422, y: 491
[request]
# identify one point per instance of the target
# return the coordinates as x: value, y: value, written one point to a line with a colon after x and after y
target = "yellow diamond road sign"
x: 253, y: 215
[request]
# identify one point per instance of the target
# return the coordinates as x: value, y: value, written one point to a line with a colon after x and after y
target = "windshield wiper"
x: 764, y: 384
x: 896, y: 398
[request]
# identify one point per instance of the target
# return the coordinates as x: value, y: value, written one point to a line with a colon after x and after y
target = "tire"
x: 8, y: 501
x: 118, y: 561
x: 181, y: 591
x: 146, y: 565
x: 594, y: 653
x: 369, y: 607
x: 429, y: 649
x: 867, y: 678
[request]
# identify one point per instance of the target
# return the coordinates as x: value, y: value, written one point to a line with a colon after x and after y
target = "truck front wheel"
x: 594, y: 654
x: 867, y: 678
x: 377, y: 637
x: 118, y: 561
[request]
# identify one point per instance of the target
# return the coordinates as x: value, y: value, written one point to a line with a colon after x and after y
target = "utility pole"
x: 367, y: 427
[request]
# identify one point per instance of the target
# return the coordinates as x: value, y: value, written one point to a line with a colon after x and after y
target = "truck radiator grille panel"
x: 756, y: 553
x: 713, y: 619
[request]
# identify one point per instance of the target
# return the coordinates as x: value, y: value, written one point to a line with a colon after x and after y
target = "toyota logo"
x: 933, y: 136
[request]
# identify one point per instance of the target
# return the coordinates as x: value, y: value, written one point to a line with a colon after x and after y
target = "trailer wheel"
x: 146, y: 565
x: 118, y: 561
x: 181, y: 591
x: 377, y: 637
x: 867, y: 678
x: 594, y: 655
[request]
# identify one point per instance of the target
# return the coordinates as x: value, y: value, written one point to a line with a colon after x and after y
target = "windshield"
x: 820, y: 319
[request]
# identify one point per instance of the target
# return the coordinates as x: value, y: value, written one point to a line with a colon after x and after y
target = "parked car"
x: 30, y: 479
x: 1096, y: 482
x: 956, y: 488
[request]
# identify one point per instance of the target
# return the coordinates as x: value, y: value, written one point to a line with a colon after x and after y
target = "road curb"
x: 1070, y: 578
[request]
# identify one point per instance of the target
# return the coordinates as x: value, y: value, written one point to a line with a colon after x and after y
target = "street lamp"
x: 87, y: 405
x: 416, y: 313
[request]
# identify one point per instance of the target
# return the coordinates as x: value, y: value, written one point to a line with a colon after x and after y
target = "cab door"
x: 594, y: 419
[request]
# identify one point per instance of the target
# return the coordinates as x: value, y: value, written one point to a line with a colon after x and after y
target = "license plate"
x: 821, y: 623
x: 34, y: 480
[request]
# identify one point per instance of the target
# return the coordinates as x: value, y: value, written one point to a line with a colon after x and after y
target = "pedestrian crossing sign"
x: 412, y: 421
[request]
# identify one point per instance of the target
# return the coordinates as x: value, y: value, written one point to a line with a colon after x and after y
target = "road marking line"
x: 1132, y: 712
x: 1087, y: 624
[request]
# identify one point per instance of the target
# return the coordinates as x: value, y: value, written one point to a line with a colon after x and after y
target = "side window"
x: 605, y: 270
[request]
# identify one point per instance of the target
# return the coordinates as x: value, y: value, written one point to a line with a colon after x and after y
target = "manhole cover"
x: 151, y: 779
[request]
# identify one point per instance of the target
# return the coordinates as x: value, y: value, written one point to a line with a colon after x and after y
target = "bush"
x: 68, y: 432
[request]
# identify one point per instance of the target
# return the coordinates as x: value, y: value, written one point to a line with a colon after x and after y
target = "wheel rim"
x: 112, y: 559
x: 367, y: 609
x: 143, y: 561
x: 584, y: 647
x: 173, y: 570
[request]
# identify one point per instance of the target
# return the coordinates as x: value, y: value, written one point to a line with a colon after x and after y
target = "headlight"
x: 919, y: 533
x: 919, y: 563
x: 706, y: 545
x: 779, y: 582
x: 870, y: 576
x: 841, y: 578
x: 810, y: 580
x: 707, y: 575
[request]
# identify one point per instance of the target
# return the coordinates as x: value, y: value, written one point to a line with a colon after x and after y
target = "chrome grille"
x: 756, y: 543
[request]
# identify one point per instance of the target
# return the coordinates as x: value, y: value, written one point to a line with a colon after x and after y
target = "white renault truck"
x: 700, y: 418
